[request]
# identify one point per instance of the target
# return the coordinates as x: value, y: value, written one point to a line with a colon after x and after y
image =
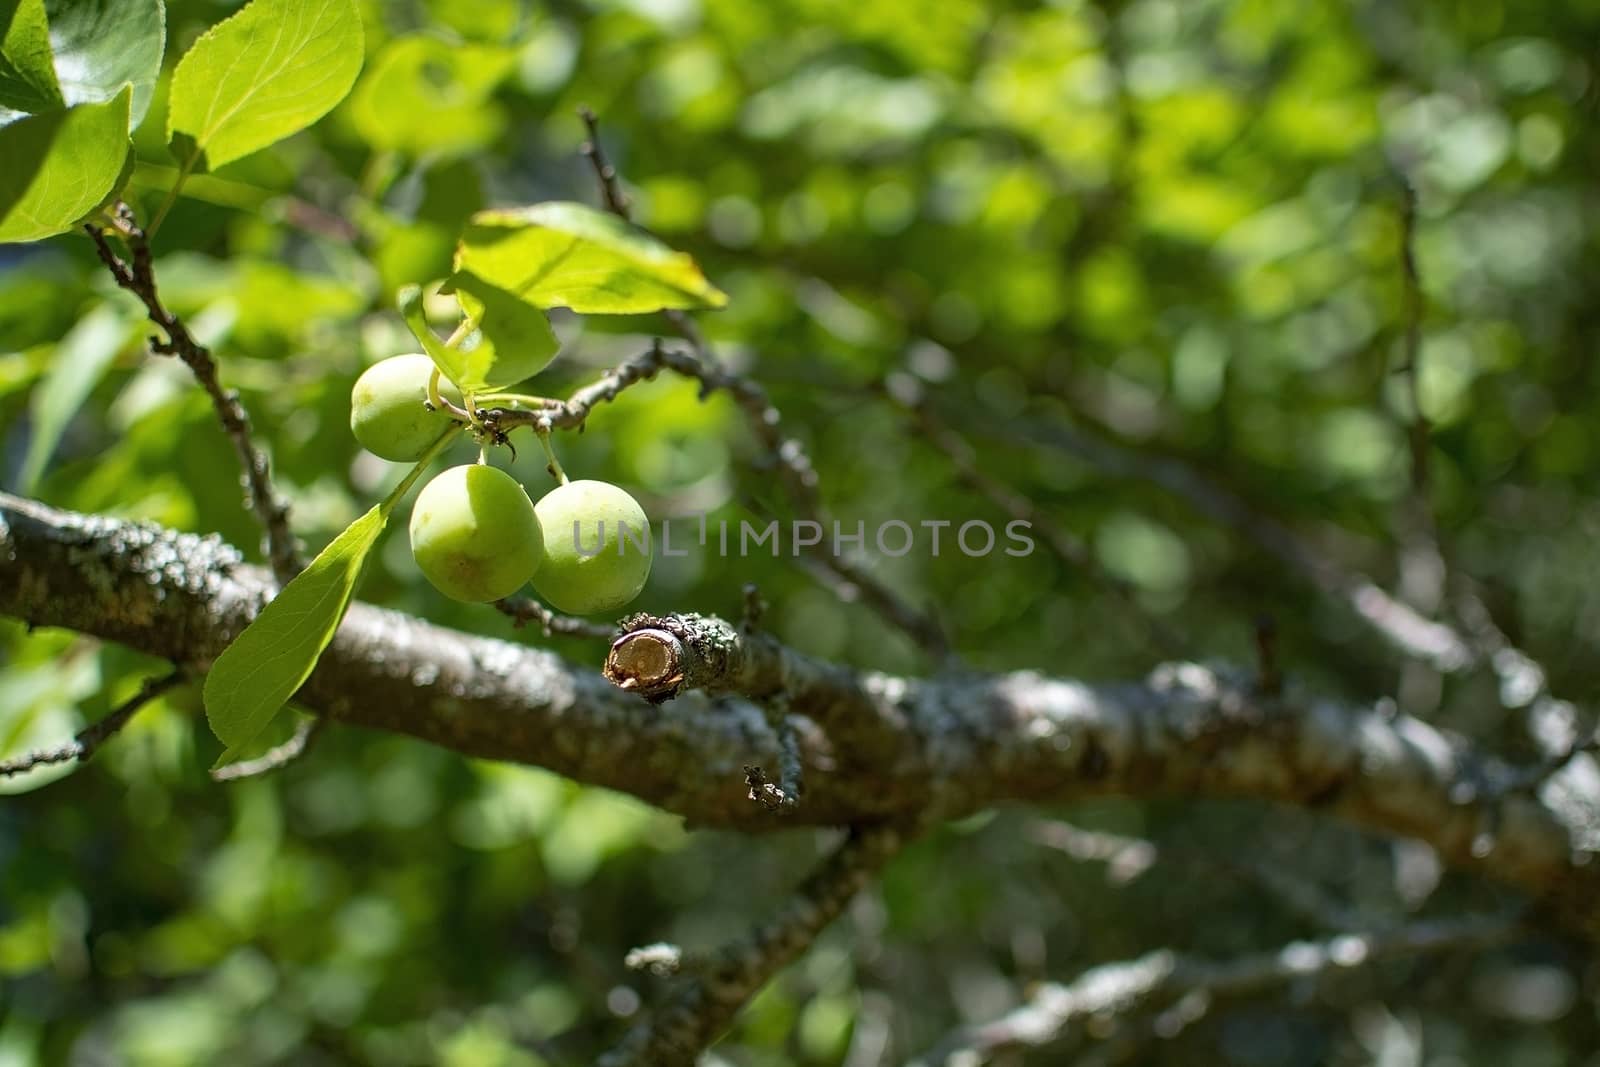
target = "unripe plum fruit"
x: 388, y: 412
x: 474, y: 534
x: 587, y: 565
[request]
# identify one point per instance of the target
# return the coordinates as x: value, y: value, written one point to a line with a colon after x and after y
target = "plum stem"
x: 554, y: 466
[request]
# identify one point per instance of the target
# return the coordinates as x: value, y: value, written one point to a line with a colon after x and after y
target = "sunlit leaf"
x: 509, y: 339
x: 569, y: 255
x: 27, y: 75
x: 102, y: 45
x: 59, y: 166
x: 276, y: 653
x: 269, y: 71
x: 512, y: 339
x: 262, y: 668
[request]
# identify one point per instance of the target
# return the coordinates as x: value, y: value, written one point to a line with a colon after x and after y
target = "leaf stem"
x: 427, y: 457
x: 554, y: 466
x: 172, y: 197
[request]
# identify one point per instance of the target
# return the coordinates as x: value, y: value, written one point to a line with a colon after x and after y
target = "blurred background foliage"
x: 1170, y: 227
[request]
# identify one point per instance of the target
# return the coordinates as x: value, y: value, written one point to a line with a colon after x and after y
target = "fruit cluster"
x: 475, y: 534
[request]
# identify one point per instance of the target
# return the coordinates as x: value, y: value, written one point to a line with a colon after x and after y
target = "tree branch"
x: 877, y: 748
x: 276, y: 758
x: 1068, y: 548
x: 706, y: 998
x: 1402, y: 626
x: 787, y: 453
x: 138, y: 278
x: 522, y: 610
x: 1163, y: 977
x: 90, y: 738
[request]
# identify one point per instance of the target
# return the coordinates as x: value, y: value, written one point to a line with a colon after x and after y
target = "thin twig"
x: 1068, y: 548
x: 138, y: 278
x: 787, y: 453
x: 90, y: 738
x: 524, y: 609
x: 1423, y: 571
x: 1419, y: 431
x: 1134, y: 987
x: 783, y: 794
x: 1400, y: 624
x: 308, y: 730
x: 617, y: 203
x: 705, y: 999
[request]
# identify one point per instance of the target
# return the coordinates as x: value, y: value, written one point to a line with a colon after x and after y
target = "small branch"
x: 1421, y: 477
x: 705, y: 1000
x: 785, y: 792
x: 274, y: 758
x: 595, y: 153
x: 754, y: 609
x: 1408, y: 631
x: 1126, y: 858
x: 90, y: 738
x: 1423, y: 571
x: 524, y: 609
x: 1161, y: 978
x: 1269, y: 678
x: 1067, y: 547
x: 787, y: 454
x: 138, y: 278
x: 661, y: 657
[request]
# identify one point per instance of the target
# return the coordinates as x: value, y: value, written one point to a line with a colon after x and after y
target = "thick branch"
x: 876, y: 747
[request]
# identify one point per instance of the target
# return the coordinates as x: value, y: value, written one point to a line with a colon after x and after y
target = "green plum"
x: 388, y: 412
x: 475, y: 535
x: 589, y: 565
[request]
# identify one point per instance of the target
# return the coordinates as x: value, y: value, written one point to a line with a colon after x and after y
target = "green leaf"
x: 423, y: 95
x: 27, y: 74
x: 80, y: 360
x: 508, y: 340
x: 269, y: 71
x: 264, y: 666
x: 511, y: 339
x: 569, y: 255
x: 102, y: 45
x: 60, y: 166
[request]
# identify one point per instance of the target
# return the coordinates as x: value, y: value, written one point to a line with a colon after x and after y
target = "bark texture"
x: 875, y: 747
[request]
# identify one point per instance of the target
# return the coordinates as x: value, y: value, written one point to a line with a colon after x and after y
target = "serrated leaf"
x: 269, y: 71
x: 76, y: 367
x: 424, y: 95
x: 569, y: 255
x: 27, y: 73
x: 60, y: 166
x: 102, y: 45
x: 264, y: 666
